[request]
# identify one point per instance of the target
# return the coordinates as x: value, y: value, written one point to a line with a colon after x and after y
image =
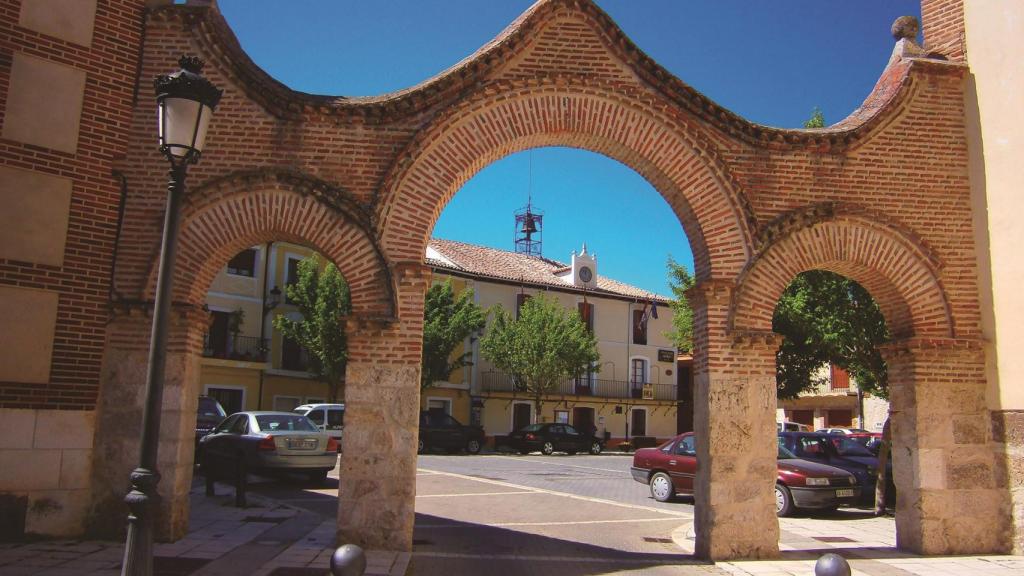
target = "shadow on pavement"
x: 442, y: 546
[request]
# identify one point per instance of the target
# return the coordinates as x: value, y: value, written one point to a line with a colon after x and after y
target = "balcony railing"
x: 234, y: 347
x: 501, y: 382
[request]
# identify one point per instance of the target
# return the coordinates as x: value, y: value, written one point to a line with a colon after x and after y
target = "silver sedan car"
x: 268, y: 442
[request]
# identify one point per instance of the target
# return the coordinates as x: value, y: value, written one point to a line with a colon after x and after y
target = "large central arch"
x: 630, y: 126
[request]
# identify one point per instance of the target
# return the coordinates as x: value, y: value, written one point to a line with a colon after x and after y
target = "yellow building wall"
x: 995, y: 123
x: 459, y: 399
x: 232, y: 375
x: 305, y: 390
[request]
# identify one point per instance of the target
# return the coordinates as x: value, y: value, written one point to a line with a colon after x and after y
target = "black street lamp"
x: 186, y: 101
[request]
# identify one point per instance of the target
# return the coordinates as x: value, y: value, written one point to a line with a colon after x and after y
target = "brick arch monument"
x: 364, y: 179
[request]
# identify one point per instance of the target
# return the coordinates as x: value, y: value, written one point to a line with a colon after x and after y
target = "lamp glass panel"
x: 179, y: 125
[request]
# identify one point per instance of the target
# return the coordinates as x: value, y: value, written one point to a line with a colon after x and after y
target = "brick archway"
x: 627, y: 125
x: 900, y: 272
x: 241, y: 209
x: 936, y: 389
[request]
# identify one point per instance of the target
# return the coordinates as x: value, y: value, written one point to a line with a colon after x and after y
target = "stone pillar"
x: 951, y: 496
x: 734, y: 417
x: 119, y: 421
x: 377, y: 495
x: 1008, y: 433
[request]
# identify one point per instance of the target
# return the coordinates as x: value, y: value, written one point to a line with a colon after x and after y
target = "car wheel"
x: 662, y: 489
x: 421, y: 447
x: 317, y: 476
x: 595, y: 448
x: 547, y: 449
x: 783, y: 501
x: 473, y: 446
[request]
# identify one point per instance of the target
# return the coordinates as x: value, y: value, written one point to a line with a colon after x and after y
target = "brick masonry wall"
x: 943, y: 24
x: 83, y: 280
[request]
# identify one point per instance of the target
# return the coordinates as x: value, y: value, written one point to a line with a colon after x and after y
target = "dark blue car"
x: 850, y: 456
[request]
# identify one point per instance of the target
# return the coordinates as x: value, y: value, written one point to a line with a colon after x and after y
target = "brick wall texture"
x: 83, y: 281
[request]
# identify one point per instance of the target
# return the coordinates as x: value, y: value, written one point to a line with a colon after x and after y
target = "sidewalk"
x: 271, y: 539
x: 868, y: 544
x: 263, y: 539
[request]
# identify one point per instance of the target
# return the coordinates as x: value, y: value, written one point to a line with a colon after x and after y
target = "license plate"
x: 305, y: 444
x: 844, y: 493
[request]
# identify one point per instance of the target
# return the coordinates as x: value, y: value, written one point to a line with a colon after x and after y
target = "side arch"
x: 896, y: 267
x: 631, y: 126
x: 228, y: 214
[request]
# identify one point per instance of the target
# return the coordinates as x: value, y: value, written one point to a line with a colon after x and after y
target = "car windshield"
x: 784, y: 454
x: 284, y: 422
x: 533, y: 428
x: 851, y: 447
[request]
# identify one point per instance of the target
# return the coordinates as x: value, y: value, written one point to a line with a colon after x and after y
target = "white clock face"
x: 585, y: 274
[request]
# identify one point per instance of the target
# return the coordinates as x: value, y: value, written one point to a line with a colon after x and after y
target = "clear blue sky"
x: 771, y: 62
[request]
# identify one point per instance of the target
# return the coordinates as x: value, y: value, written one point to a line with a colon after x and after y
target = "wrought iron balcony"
x: 501, y: 382
x: 234, y: 347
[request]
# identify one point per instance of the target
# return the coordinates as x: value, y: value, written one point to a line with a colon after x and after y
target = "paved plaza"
x: 494, y: 515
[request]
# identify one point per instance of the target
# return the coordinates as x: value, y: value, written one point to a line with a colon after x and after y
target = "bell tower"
x: 529, y: 232
x: 584, y: 269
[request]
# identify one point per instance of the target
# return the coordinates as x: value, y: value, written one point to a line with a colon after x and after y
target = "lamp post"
x: 186, y: 101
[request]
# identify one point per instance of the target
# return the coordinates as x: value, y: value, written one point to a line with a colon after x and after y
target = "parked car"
x: 440, y: 430
x: 208, y: 415
x: 263, y: 442
x: 670, y: 469
x: 843, y: 431
x: 329, y: 418
x: 792, y: 426
x: 848, y: 455
x: 870, y: 440
x: 552, y: 437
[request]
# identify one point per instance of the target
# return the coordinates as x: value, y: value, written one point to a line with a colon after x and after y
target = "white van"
x: 792, y: 427
x: 328, y: 417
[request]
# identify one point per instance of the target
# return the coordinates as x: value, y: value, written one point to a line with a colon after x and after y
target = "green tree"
x: 828, y: 318
x: 322, y: 297
x: 679, y: 281
x: 447, y: 322
x: 544, y: 346
x: 817, y: 119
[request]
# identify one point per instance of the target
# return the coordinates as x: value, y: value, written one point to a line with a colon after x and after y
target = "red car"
x: 670, y: 468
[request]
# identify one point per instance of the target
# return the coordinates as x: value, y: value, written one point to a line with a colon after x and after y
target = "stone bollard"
x: 831, y: 565
x: 348, y: 560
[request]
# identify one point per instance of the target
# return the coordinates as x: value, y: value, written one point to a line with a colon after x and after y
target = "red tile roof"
x: 483, y: 262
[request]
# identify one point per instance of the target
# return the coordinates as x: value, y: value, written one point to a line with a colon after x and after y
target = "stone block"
x: 970, y: 429
x: 44, y: 103
x: 57, y: 513
x: 22, y: 470
x: 34, y: 221
x: 930, y: 468
x: 18, y: 428
x: 70, y: 20
x: 25, y: 353
x: 75, y: 467
x: 1008, y: 427
x: 65, y: 429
